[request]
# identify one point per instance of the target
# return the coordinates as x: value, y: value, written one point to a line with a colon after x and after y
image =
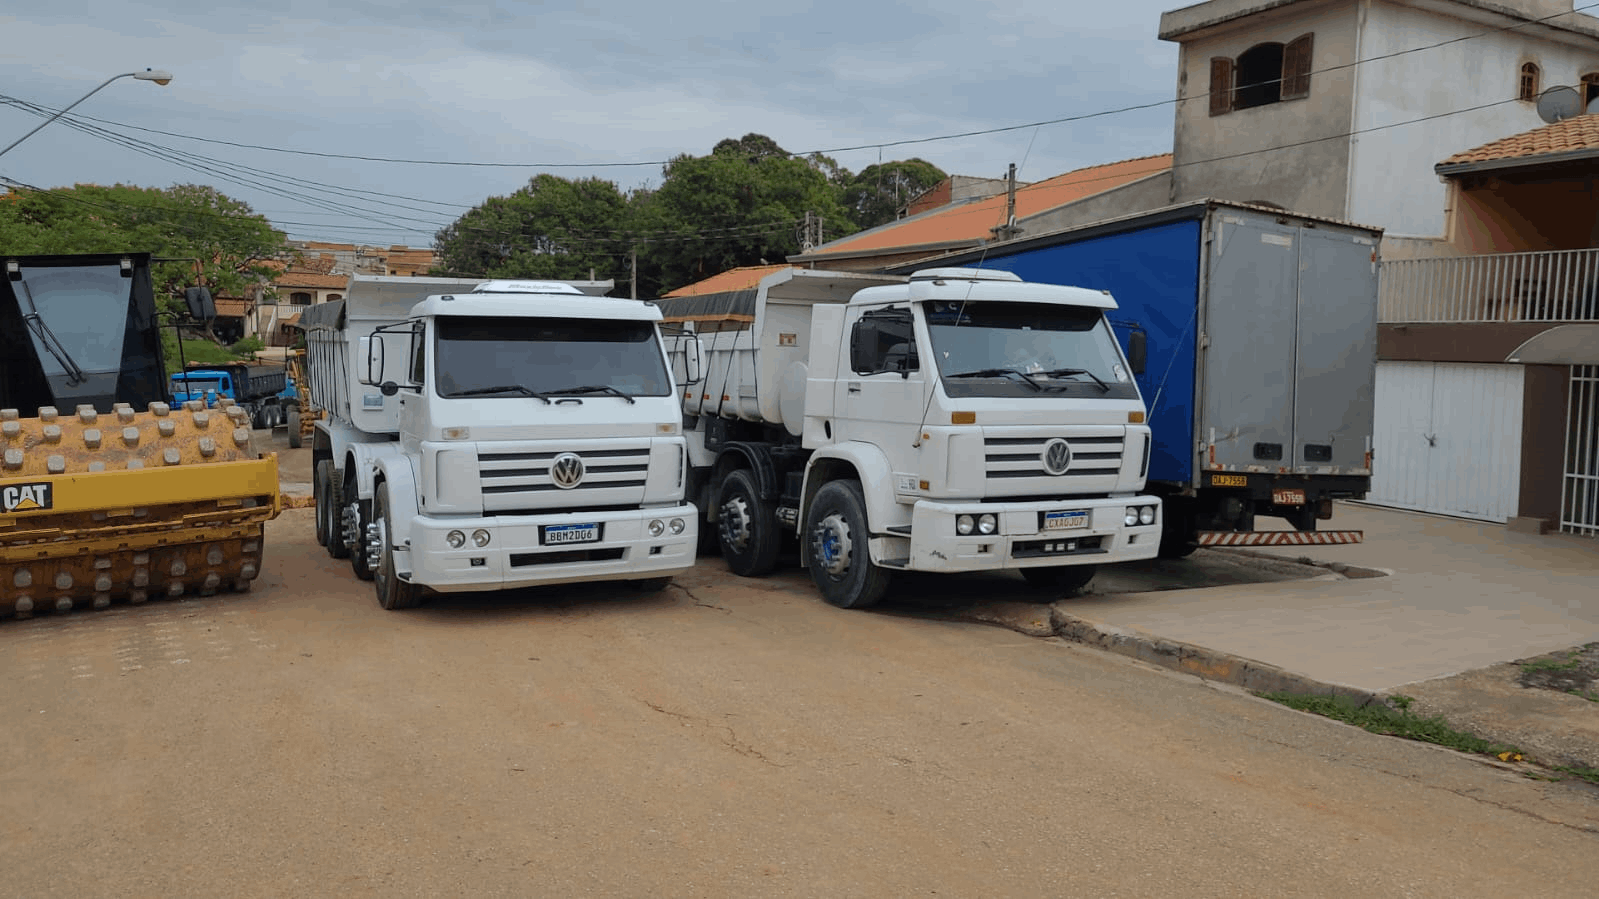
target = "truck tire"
x: 324, y: 505
x: 837, y: 552
x: 748, y: 527
x: 294, y: 429
x: 1068, y: 579
x: 336, y: 546
x: 392, y: 592
x: 358, y: 550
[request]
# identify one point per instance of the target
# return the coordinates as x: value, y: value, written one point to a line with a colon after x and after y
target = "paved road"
x: 725, y: 738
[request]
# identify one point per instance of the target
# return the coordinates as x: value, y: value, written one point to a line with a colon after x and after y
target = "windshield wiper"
x: 505, y: 388
x: 47, y: 339
x: 1063, y: 372
x: 596, y: 388
x: 998, y: 373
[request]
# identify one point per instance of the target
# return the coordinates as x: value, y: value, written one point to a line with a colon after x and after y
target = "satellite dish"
x: 1559, y: 103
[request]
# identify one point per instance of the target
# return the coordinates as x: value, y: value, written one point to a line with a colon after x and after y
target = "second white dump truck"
x: 958, y: 420
x: 494, y: 435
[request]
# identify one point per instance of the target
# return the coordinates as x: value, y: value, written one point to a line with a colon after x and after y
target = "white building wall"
x: 1392, y: 183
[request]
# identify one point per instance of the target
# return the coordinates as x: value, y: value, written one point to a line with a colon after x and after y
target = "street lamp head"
x: 158, y: 77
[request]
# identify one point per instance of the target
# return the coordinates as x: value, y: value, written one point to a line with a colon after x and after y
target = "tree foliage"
x: 552, y: 228
x: 747, y: 202
x: 216, y: 240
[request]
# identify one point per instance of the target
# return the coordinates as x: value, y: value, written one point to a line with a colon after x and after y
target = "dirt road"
x: 725, y: 738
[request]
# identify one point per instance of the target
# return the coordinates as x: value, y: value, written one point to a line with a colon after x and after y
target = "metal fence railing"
x: 1556, y: 285
x: 1579, y: 500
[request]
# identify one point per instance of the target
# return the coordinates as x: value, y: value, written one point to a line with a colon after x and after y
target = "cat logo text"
x: 25, y: 497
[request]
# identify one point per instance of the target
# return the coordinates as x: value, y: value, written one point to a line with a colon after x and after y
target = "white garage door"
x: 1448, y: 438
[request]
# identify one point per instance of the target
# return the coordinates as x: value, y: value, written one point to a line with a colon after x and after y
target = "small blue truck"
x: 262, y: 389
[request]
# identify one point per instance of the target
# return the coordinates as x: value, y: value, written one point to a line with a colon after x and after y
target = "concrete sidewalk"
x: 1460, y: 595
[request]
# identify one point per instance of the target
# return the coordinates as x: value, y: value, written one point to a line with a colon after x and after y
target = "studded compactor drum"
x: 125, y: 497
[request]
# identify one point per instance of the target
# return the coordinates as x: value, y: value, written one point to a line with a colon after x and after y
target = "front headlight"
x: 987, y: 523
x: 1131, y: 518
x: 1146, y: 515
x: 480, y: 538
x: 676, y: 526
x: 657, y: 528
x: 456, y: 539
x: 964, y: 524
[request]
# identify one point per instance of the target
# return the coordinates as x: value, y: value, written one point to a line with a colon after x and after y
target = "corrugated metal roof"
x: 1573, y: 135
x: 972, y: 222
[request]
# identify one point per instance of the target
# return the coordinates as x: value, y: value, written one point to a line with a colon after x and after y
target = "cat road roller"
x: 107, y: 491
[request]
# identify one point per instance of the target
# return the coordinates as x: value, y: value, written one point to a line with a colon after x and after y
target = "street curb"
x: 1036, y: 620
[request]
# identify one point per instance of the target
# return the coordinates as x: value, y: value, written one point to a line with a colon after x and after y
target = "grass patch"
x: 1570, y: 663
x: 1396, y: 722
x: 1589, y: 695
x: 1591, y: 775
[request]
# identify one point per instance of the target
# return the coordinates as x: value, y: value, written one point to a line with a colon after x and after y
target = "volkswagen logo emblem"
x: 567, y: 470
x: 1057, y: 456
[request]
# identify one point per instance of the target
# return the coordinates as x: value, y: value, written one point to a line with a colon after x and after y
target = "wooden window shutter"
x: 1296, y: 67
x: 1221, y: 85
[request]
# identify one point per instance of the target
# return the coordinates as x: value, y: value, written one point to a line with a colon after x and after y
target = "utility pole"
x: 1009, y: 229
x: 633, y: 292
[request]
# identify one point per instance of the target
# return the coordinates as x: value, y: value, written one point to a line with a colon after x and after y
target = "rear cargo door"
x: 1337, y: 351
x: 1247, y: 343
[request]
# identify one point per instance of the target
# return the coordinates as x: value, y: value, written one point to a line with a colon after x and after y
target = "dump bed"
x: 751, y: 368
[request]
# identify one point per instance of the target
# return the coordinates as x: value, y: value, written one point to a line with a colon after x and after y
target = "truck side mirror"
x: 201, y: 306
x: 693, y: 360
x: 1138, y: 351
x: 374, y: 359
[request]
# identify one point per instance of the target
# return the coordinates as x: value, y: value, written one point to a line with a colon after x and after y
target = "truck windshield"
x: 594, y: 357
x: 1025, y: 349
x: 195, y: 385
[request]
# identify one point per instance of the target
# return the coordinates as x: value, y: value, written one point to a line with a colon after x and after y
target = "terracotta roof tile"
x: 971, y: 222
x: 314, y: 280
x: 744, y: 278
x: 232, y: 307
x: 1571, y: 135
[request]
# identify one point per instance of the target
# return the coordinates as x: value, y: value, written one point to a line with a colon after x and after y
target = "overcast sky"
x: 563, y: 87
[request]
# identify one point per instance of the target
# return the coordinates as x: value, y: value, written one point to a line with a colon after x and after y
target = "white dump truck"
x: 956, y: 420
x: 489, y: 435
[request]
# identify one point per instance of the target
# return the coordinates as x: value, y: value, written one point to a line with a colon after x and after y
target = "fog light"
x: 987, y: 523
x: 657, y: 528
x: 1146, y: 515
x: 963, y: 524
x: 1131, y: 518
x: 480, y: 537
x: 456, y: 539
x: 676, y: 526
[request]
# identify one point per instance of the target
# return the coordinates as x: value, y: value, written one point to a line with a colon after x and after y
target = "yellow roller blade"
x: 129, y: 505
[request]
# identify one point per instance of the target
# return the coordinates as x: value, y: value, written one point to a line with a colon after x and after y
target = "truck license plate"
x: 1228, y: 480
x: 1060, y: 521
x: 1288, y: 497
x: 559, y: 534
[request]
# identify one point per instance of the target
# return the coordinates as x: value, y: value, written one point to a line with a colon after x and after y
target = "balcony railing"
x: 1558, y: 285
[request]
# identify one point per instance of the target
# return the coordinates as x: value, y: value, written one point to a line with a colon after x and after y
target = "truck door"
x: 881, y: 389
x: 1337, y: 351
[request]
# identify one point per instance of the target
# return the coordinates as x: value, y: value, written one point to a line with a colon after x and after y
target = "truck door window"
x: 418, y: 353
x: 883, y: 341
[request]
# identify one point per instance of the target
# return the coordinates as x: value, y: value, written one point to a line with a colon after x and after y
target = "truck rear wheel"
x: 393, y: 593
x: 337, y: 548
x: 748, y: 527
x: 837, y: 552
x: 1065, y: 578
x: 294, y: 429
x: 324, y: 506
x: 361, y: 561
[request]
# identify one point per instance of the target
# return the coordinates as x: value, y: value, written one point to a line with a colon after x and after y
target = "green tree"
x: 552, y: 228
x: 744, y: 204
x: 874, y: 197
x: 213, y: 239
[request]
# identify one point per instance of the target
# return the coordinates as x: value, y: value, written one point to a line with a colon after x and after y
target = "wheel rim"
x: 735, y: 524
x: 378, y: 549
x: 833, y: 546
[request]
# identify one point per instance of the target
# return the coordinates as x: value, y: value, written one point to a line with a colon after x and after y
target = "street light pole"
x: 146, y: 75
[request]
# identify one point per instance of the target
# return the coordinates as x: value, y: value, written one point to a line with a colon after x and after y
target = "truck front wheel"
x: 748, y: 527
x: 837, y: 554
x: 393, y: 593
x: 1065, y: 578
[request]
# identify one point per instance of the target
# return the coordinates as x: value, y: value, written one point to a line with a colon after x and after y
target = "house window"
x: 1265, y: 73
x: 1529, y: 81
x: 300, y: 299
x: 1590, y: 87
x: 332, y: 297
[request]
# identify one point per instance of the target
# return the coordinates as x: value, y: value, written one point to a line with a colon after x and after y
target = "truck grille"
x: 518, y: 479
x: 1023, y: 457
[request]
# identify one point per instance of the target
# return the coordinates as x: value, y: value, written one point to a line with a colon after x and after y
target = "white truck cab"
x: 513, y: 434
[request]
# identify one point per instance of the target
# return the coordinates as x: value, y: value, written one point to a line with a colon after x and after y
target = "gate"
x: 1579, y: 493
